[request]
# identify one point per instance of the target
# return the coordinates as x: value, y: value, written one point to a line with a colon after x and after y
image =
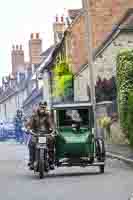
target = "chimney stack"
x: 58, y: 29
x: 35, y: 48
x: 17, y: 58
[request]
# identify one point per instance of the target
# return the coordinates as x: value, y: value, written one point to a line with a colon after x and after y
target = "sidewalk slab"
x: 123, y: 150
x: 119, y: 157
x: 120, y: 152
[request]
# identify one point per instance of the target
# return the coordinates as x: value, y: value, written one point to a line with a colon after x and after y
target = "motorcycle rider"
x: 39, y: 122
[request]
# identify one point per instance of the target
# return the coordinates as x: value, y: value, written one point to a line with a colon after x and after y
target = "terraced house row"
x: 112, y: 30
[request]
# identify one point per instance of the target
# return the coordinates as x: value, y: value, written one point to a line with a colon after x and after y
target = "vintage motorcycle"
x: 41, y: 163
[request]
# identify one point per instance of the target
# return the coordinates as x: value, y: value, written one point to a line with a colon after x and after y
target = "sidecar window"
x: 66, y: 117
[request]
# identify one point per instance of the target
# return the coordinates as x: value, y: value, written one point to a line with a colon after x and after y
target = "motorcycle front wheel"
x: 41, y: 164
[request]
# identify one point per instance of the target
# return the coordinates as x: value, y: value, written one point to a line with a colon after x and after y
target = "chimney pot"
x: 21, y: 47
x: 57, y: 19
x: 37, y: 35
x: 62, y: 19
x: 13, y: 47
x: 16, y: 47
x: 31, y: 36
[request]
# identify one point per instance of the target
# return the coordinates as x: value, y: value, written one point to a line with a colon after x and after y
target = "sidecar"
x: 77, y: 145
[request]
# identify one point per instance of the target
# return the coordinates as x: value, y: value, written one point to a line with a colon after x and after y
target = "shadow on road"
x: 58, y: 175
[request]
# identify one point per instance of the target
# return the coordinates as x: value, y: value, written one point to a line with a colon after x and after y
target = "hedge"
x: 125, y: 88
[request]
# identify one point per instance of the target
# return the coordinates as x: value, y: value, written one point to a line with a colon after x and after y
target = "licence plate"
x: 42, y: 140
x: 41, y: 146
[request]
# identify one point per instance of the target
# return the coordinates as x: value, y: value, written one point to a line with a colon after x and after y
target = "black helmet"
x: 19, y: 111
x: 43, y: 104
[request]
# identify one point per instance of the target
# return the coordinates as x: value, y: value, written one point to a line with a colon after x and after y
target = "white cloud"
x: 19, y: 18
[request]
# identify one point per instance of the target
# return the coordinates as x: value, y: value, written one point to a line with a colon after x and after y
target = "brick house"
x: 105, y: 55
x: 105, y: 16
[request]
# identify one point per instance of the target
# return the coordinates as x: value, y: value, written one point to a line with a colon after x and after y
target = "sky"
x: 18, y: 18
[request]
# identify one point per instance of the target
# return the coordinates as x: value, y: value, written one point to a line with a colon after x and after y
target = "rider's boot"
x: 51, y: 160
x: 31, y: 157
x: 29, y: 163
x: 31, y: 166
x: 51, y: 165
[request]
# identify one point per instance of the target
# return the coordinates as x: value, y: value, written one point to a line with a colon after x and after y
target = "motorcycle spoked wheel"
x: 41, y: 164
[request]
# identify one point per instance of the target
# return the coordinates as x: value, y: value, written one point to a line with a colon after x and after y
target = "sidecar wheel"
x: 101, y: 169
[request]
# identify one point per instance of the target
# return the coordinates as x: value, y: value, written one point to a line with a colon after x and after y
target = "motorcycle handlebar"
x: 37, y: 135
x: 52, y: 132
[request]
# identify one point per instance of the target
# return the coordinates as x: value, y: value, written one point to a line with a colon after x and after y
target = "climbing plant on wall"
x: 125, y: 87
x: 63, y: 79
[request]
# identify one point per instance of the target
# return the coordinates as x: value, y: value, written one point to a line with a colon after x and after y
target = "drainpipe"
x: 50, y: 90
x: 88, y: 29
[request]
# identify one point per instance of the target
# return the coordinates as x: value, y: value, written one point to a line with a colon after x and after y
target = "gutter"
x: 119, y: 157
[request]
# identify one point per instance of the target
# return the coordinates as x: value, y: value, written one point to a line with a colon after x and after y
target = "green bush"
x: 130, y: 118
x: 124, y: 88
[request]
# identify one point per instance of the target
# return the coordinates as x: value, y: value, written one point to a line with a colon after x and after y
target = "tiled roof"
x: 47, y: 52
x: 7, y: 93
x: 10, y: 91
x: 35, y: 93
x: 47, y: 60
x: 73, y: 13
x: 128, y: 23
x: 47, y: 56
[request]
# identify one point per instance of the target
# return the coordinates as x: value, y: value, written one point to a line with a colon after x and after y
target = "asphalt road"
x: 18, y: 183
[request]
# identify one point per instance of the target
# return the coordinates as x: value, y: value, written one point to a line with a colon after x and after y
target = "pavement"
x: 121, y: 152
x: 17, y: 182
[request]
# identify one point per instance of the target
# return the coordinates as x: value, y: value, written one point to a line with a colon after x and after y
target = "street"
x: 17, y: 182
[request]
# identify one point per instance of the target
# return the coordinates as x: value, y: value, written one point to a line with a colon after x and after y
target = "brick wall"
x: 105, y: 15
x: 76, y: 45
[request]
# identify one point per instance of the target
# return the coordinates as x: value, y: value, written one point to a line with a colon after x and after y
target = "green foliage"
x: 63, y: 78
x: 62, y: 68
x: 130, y: 118
x: 124, y: 87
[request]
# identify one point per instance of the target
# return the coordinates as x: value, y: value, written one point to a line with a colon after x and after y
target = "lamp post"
x: 88, y: 31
